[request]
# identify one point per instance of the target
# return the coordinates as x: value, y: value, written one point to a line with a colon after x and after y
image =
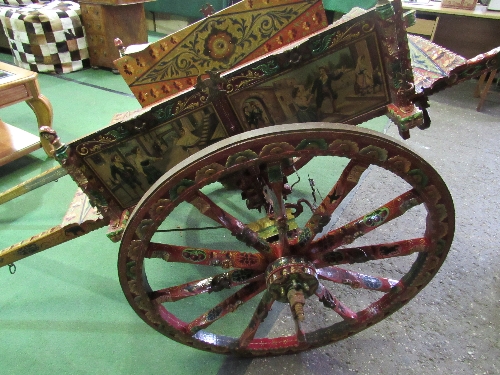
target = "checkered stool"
x: 47, y: 37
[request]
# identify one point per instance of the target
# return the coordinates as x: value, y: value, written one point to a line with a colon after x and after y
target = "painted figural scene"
x: 129, y: 168
x: 333, y: 88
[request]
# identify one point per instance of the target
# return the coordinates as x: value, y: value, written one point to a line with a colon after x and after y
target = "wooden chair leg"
x: 482, y: 91
x: 480, y: 83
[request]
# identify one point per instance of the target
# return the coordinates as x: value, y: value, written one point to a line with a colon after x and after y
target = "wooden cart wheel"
x: 235, y: 250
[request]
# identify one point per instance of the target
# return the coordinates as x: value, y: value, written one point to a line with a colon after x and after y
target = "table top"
x: 5, y: 75
x: 480, y: 11
x: 11, y: 75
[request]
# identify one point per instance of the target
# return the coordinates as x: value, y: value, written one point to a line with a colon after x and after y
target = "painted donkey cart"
x: 253, y: 217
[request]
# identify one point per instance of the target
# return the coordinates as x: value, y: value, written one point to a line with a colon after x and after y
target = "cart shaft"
x: 81, y: 218
x: 44, y: 178
x: 45, y: 240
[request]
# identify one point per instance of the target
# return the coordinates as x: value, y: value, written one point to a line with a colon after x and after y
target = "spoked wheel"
x: 238, y: 250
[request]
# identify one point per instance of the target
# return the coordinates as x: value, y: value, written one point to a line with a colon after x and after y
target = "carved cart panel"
x: 335, y: 76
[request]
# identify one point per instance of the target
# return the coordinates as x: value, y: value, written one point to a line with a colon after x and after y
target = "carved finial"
x: 60, y: 149
x: 211, y: 85
x: 207, y: 10
x: 119, y: 45
x: 46, y: 132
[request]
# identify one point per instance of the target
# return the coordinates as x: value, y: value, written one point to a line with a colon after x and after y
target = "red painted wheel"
x: 237, y: 251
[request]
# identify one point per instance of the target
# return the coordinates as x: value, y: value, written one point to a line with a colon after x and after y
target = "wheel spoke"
x: 275, y: 195
x: 208, y: 285
x: 363, y: 254
x: 365, y: 224
x: 239, y: 230
x: 332, y: 302
x: 258, y: 317
x: 296, y: 303
x: 344, y: 185
x: 230, y: 304
x: 299, y: 331
x: 356, y: 280
x: 206, y: 257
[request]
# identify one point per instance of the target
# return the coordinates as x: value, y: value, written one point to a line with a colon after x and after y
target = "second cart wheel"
x: 238, y: 250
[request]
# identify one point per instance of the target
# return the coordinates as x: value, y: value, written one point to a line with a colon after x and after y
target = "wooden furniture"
x: 20, y: 85
x: 105, y: 20
x: 424, y: 27
x: 466, y: 32
x: 483, y: 87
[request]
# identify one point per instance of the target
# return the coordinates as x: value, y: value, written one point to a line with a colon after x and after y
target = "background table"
x: 466, y: 32
x: 20, y: 85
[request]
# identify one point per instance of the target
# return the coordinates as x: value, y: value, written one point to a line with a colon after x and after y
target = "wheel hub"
x: 292, y: 280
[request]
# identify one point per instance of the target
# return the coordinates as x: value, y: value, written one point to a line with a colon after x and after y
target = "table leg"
x: 42, y: 108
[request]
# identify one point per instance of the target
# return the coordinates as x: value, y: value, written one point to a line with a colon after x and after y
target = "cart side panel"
x: 336, y: 76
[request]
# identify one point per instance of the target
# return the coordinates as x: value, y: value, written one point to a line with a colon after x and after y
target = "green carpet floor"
x: 63, y: 311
